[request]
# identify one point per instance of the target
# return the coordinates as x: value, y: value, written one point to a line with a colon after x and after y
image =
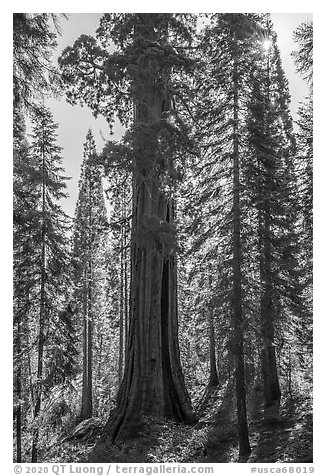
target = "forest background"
x: 96, y: 132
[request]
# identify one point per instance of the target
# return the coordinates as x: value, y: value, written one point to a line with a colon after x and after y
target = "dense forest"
x: 169, y: 320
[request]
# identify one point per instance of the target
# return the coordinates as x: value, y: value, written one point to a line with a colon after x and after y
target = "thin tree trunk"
x: 244, y: 446
x: 126, y: 291
x: 90, y: 341
x: 39, y: 384
x: 121, y: 313
x: 272, y: 391
x: 85, y: 413
x: 19, y: 395
x: 213, y: 377
x: 290, y: 374
x: 87, y: 396
x: 99, y: 359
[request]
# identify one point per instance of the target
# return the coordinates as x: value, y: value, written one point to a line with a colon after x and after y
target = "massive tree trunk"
x: 153, y: 383
x: 244, y: 446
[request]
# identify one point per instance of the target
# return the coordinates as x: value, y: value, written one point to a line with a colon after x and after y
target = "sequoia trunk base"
x: 153, y: 384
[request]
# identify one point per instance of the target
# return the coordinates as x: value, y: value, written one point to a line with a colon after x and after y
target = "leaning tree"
x: 142, y: 81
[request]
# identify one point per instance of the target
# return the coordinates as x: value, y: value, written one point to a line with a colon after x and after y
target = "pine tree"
x: 264, y: 174
x: 304, y: 166
x: 229, y: 46
x: 119, y: 195
x: 25, y: 222
x: 62, y: 349
x: 90, y: 222
x: 50, y: 245
x: 304, y: 64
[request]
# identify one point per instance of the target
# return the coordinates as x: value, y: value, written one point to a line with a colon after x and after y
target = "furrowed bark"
x: 153, y: 384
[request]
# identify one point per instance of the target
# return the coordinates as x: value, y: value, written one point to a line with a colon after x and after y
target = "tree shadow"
x: 269, y: 436
x: 158, y: 441
x: 221, y: 444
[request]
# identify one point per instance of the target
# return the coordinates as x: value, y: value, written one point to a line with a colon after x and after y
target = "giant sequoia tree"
x: 140, y: 76
x: 210, y: 201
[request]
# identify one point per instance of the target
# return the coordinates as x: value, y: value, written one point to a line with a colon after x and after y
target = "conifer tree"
x: 138, y: 81
x: 228, y: 43
x: 25, y: 223
x: 303, y: 36
x: 304, y: 165
x: 90, y: 222
x: 50, y: 245
x: 119, y: 195
x: 34, y: 40
x: 271, y: 179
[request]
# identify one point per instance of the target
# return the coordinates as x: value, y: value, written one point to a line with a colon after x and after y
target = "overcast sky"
x: 74, y: 121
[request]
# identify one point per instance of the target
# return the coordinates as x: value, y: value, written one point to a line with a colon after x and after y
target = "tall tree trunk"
x: 126, y: 289
x: 272, y: 391
x: 153, y: 383
x: 121, y: 313
x: 84, y: 389
x: 19, y: 396
x: 244, y: 446
x: 87, y: 392
x: 87, y: 395
x: 90, y: 348
x: 41, y: 337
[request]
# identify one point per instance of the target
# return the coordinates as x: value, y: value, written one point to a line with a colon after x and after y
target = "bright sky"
x: 74, y: 121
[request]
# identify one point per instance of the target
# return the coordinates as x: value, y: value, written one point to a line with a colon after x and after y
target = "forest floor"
x: 212, y: 440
